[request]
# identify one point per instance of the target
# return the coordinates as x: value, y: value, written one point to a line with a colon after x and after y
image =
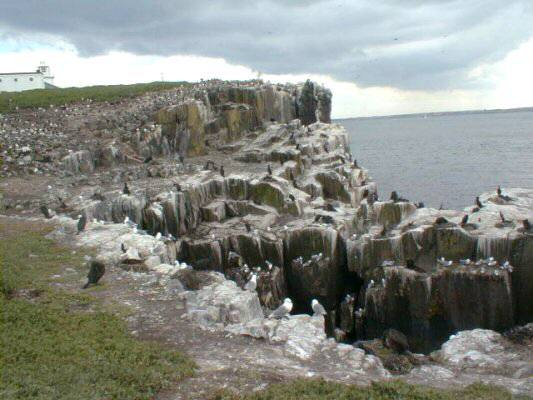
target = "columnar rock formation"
x: 249, y: 178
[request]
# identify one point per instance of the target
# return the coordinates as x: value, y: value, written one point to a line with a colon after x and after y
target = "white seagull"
x: 251, y: 285
x: 318, y: 309
x: 282, y: 311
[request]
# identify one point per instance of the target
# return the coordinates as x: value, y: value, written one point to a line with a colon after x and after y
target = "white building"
x: 19, y: 81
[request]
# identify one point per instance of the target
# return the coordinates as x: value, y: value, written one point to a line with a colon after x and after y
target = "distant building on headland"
x: 18, y: 81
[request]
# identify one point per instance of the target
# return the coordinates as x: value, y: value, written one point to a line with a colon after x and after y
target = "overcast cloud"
x: 403, y: 44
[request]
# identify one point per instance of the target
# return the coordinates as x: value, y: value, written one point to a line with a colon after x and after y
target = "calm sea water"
x: 446, y: 159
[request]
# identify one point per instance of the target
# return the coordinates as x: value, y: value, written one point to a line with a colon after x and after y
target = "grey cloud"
x: 411, y: 44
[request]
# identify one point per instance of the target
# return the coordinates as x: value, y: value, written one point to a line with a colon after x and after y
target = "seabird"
x: 291, y: 197
x: 420, y: 204
x: 82, y: 222
x: 478, y: 202
x: 355, y: 164
x: 96, y: 271
x: 441, y: 220
x: 123, y: 248
x: 394, y: 196
x: 283, y: 310
x: 269, y: 169
x: 247, y: 226
x: 318, y: 309
x: 526, y: 224
x: 502, y: 217
x: 62, y: 203
x: 46, y: 212
x: 464, y: 221
x: 222, y: 173
x: 126, y: 189
x: 499, y: 191
x: 371, y: 284
x: 251, y: 285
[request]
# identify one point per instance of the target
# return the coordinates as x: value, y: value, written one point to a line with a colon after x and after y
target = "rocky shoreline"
x: 228, y: 179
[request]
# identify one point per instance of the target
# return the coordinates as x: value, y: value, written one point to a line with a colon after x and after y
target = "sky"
x: 378, y: 57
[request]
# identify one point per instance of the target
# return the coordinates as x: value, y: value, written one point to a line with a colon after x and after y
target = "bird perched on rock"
x: 355, y: 164
x: 82, y: 223
x: 251, y: 285
x: 123, y: 247
x: 126, y: 189
x: 291, y: 197
x: 395, y: 340
x: 499, y: 191
x: 502, y: 217
x: 464, y: 221
x: 318, y: 309
x: 222, y: 173
x: 420, y: 204
x: 269, y: 169
x: 282, y: 311
x: 441, y: 220
x: 96, y: 271
x: 247, y: 226
x: 394, y: 196
x: 46, y: 212
x: 478, y: 202
x: 62, y: 204
x: 526, y: 224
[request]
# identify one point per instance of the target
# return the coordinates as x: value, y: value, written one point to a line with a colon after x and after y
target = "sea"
x: 445, y: 159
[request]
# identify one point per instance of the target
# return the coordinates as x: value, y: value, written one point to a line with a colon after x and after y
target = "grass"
x: 61, y: 345
x: 304, y: 389
x: 45, y: 98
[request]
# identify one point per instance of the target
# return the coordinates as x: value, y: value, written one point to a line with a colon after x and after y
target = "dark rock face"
x: 307, y: 104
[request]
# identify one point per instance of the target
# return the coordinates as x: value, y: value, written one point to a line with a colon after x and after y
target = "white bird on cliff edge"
x: 318, y: 309
x: 282, y: 311
x: 251, y: 285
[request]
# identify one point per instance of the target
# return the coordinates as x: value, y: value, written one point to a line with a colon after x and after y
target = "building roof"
x: 20, y: 73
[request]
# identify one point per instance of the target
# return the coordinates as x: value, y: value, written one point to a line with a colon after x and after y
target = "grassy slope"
x: 321, y: 390
x: 44, y: 98
x: 58, y: 345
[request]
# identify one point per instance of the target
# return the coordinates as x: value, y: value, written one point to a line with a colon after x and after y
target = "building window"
x: 31, y: 79
x: 16, y: 79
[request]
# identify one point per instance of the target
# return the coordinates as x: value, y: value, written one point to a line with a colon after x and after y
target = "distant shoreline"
x: 441, y: 113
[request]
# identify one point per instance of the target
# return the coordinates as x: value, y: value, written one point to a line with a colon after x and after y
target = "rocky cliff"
x: 251, y: 178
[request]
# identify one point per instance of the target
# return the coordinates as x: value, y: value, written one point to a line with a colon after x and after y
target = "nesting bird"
x: 251, y: 285
x: 318, y: 309
x: 282, y: 311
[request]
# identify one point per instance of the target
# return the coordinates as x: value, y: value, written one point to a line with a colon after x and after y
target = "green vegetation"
x: 321, y: 390
x: 62, y: 345
x: 57, y: 97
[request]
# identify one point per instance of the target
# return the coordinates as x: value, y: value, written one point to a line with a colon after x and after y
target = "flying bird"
x: 318, y: 309
x: 96, y: 271
x: 282, y: 311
